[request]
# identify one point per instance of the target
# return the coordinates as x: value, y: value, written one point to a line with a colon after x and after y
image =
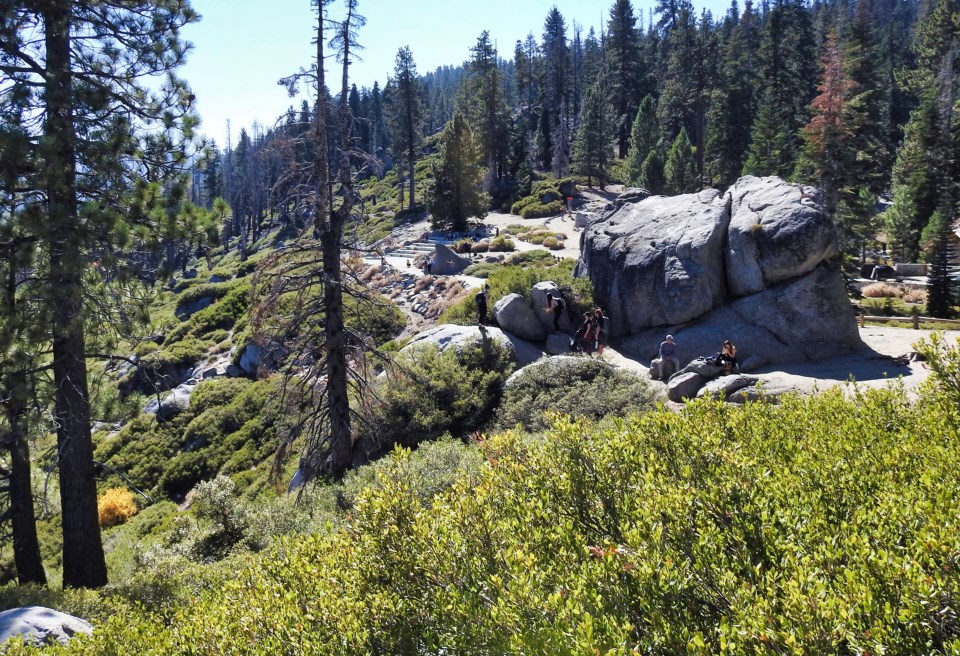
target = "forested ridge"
x: 190, y: 331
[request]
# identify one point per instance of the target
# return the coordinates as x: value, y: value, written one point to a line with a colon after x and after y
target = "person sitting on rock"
x: 668, y: 363
x: 728, y: 357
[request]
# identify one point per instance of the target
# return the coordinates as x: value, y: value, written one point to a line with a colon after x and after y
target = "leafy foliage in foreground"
x: 823, y: 525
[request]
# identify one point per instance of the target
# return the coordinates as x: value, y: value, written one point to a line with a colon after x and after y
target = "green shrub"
x: 584, y: 387
x: 212, y: 290
x: 480, y: 247
x: 429, y: 393
x: 532, y: 257
x: 502, y: 243
x: 519, y: 280
x: 481, y: 269
x: 552, y: 243
x: 822, y: 525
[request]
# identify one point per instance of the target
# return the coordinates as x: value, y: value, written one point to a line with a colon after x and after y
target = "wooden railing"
x: 916, y: 319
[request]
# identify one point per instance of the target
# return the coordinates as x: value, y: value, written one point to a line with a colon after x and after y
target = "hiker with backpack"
x: 599, y: 331
x: 556, y: 305
x: 482, y: 298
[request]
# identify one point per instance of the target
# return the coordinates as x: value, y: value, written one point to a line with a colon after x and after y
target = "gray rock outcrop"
x: 515, y: 316
x: 452, y: 336
x: 172, y: 404
x: 751, y: 266
x: 657, y: 262
x: 777, y: 232
x: 558, y: 343
x: 684, y: 385
x: 40, y: 626
x: 250, y: 359
x: 726, y: 385
x: 446, y: 262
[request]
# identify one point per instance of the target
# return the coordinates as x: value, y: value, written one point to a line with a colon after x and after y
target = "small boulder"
x: 726, y: 385
x: 217, y: 278
x: 190, y: 274
x: 172, y: 404
x: 40, y: 626
x: 684, y: 385
x: 187, y: 310
x: 702, y: 367
x: 515, y: 316
x: 453, y: 336
x: 250, y: 359
x: 558, y: 344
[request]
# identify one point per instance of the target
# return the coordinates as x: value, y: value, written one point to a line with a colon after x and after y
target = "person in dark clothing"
x: 556, y: 305
x: 483, y: 296
x: 599, y: 331
x: 583, y: 339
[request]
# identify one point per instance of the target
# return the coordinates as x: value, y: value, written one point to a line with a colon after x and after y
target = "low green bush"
x: 822, y: 525
x: 583, y: 387
x: 502, y: 243
x: 520, y: 280
x: 481, y: 270
x: 429, y: 392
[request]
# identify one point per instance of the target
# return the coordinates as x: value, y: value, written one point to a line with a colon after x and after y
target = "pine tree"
x: 623, y: 66
x: 84, y: 66
x: 555, y: 110
x: 680, y: 169
x: 591, y: 150
x: 405, y: 115
x: 482, y: 102
x: 458, y: 178
x: 643, y: 140
x: 732, y: 106
x: 940, y: 294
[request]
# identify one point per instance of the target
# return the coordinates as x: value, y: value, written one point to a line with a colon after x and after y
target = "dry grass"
x: 892, y: 290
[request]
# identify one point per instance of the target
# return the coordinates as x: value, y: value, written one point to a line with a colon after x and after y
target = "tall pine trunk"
x: 26, y: 546
x: 83, y: 561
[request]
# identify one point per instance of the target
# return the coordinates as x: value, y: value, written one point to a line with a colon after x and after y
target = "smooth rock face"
x: 726, y: 385
x: 446, y: 262
x: 808, y: 318
x: 659, y: 261
x: 452, y: 336
x: 186, y: 311
x: 684, y: 386
x: 777, y: 231
x: 558, y: 344
x: 250, y: 359
x: 515, y: 316
x: 38, y: 625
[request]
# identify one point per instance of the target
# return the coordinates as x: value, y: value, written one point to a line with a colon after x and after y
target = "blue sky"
x: 242, y: 47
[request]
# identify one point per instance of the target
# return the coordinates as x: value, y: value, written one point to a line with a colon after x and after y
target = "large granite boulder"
x: 453, y: 336
x: 557, y: 344
x: 446, y: 262
x: 515, y: 316
x: 807, y: 318
x: 659, y: 261
x: 777, y: 231
x: 752, y: 266
x: 40, y: 626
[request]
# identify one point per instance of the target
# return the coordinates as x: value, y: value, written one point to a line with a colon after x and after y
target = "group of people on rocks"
x: 591, y: 336
x: 666, y: 364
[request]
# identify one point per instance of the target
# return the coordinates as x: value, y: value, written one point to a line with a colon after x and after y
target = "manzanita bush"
x: 822, y: 525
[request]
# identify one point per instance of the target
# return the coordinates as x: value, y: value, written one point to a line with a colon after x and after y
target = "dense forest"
x: 136, y: 256
x: 856, y: 98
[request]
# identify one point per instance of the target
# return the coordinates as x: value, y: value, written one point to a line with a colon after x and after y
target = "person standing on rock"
x: 556, y: 305
x: 599, y: 331
x: 668, y: 355
x: 483, y: 296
